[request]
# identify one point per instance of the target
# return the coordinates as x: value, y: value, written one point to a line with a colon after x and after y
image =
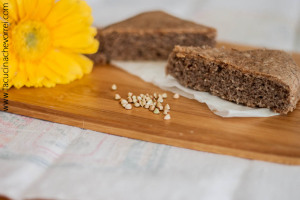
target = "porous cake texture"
x: 151, y: 36
x: 255, y: 78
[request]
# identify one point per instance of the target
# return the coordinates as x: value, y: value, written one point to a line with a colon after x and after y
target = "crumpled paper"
x: 154, y: 72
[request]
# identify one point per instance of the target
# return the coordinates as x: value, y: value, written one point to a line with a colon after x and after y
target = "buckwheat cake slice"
x: 255, y: 78
x: 151, y: 36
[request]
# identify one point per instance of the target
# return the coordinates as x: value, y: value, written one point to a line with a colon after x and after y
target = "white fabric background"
x: 40, y: 159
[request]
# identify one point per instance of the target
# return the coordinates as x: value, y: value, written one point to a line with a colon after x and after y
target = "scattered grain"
x: 167, y: 117
x: 167, y: 107
x: 152, y: 107
x: 160, y: 99
x: 137, y: 105
x: 176, y: 96
x: 128, y: 107
x: 156, y: 111
x: 129, y: 99
x: 123, y: 101
x: 151, y: 102
x: 117, y: 97
x: 166, y: 112
x: 114, y: 87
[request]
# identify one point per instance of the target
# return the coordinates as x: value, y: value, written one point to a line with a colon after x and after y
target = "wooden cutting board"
x: 89, y: 103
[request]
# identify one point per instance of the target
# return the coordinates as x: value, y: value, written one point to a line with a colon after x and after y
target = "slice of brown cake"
x: 256, y: 78
x: 151, y: 36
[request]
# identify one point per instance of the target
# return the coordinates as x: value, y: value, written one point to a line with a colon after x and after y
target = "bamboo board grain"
x: 88, y: 103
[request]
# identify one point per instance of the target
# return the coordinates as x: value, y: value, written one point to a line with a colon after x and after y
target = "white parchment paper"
x: 154, y: 72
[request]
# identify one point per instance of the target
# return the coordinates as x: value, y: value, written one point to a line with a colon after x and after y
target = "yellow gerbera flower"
x: 43, y: 42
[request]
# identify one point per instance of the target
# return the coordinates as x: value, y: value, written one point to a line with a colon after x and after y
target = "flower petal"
x: 69, y: 23
x: 20, y: 79
x: 34, y: 9
x: 81, y: 42
x: 63, y: 65
x: 10, y: 73
x: 49, y: 75
x: 12, y: 9
x: 68, y: 10
x: 48, y: 83
x: 42, y: 9
x: 34, y: 77
x: 71, y: 27
x: 85, y: 63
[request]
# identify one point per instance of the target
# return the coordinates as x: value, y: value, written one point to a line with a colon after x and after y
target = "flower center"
x: 31, y: 39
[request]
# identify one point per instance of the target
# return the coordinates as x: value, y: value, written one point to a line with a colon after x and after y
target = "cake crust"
x: 256, y: 78
x: 159, y: 21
